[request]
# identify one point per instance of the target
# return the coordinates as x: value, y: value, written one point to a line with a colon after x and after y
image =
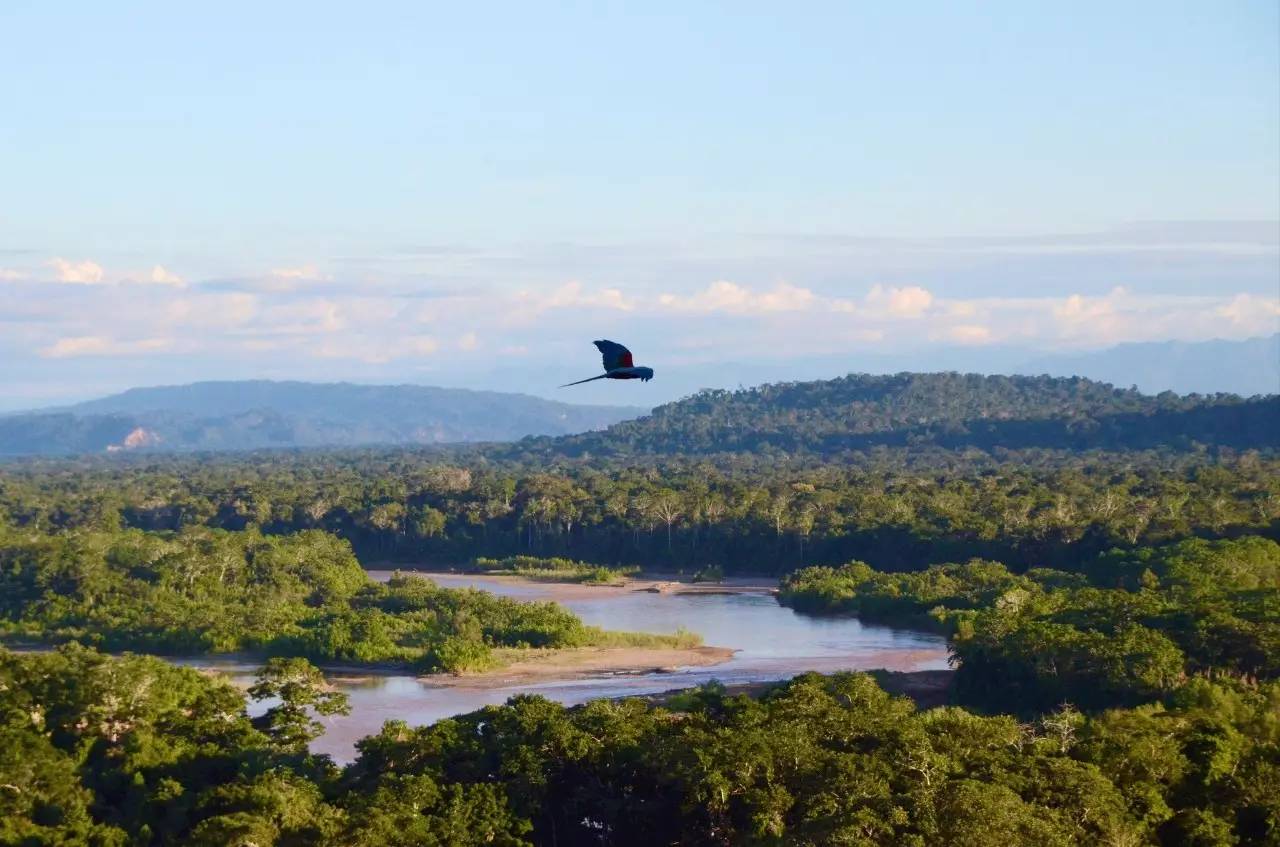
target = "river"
x: 772, y: 642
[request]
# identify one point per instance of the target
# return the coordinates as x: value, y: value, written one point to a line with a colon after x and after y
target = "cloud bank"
x: 426, y: 316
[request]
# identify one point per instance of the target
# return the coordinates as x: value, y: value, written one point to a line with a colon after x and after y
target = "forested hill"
x: 946, y: 410
x: 261, y: 413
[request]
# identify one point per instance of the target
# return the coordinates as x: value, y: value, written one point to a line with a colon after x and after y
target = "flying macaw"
x: 617, y: 364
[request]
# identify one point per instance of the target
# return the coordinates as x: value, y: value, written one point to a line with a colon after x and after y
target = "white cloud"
x: 1080, y: 309
x: 212, y: 311
x: 1250, y: 311
x: 7, y: 275
x: 356, y: 329
x: 88, y: 272
x: 724, y: 296
x: 97, y: 345
x: 160, y: 276
x: 375, y: 350
x: 302, y: 272
x: 421, y: 345
x: 574, y: 294
x: 967, y: 334
x: 909, y: 302
x: 612, y: 298
x: 1104, y: 319
x: 264, y: 345
x: 286, y: 280
x: 303, y: 317
x: 1118, y: 316
x: 527, y: 304
x: 83, y: 273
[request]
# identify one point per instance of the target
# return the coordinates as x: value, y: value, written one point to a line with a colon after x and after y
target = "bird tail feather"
x: 579, y: 382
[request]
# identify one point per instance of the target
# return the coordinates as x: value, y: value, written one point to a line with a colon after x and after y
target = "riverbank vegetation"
x: 1130, y: 627
x: 553, y: 569
x: 98, y: 750
x: 202, y: 591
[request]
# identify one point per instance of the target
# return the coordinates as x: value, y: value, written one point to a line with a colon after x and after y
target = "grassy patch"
x: 553, y: 569
x: 681, y: 639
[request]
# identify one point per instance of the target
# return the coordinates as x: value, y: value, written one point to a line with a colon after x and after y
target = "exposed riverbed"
x: 769, y: 641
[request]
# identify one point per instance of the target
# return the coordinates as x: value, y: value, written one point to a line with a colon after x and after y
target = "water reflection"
x: 773, y: 642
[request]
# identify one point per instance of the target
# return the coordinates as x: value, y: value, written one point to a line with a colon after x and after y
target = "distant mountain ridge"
x: 1247, y: 367
x: 261, y: 413
x: 943, y: 410
x: 822, y: 418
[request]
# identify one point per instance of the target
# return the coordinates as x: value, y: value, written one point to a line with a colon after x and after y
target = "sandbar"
x: 542, y: 589
x: 528, y: 666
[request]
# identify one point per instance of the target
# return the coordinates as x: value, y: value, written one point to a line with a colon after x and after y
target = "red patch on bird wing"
x: 624, y: 361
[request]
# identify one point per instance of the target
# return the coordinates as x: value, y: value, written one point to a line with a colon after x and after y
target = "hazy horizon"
x: 1147, y: 366
x: 469, y: 198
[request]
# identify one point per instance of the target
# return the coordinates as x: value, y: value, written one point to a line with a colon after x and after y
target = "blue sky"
x: 421, y: 192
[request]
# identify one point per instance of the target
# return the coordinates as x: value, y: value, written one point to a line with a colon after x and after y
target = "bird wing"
x: 615, y: 355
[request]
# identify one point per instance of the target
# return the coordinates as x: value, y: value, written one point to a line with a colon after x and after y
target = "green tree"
x: 301, y: 691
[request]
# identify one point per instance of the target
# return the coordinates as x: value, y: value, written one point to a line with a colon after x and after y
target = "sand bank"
x: 540, y: 589
x: 529, y: 666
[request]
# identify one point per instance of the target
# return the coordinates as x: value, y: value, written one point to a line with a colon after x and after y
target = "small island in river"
x: 636, y: 653
x: 244, y: 595
x: 739, y: 615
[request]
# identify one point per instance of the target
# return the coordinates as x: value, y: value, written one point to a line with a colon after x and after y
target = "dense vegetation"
x: 832, y: 418
x: 1132, y: 627
x: 106, y: 751
x: 1122, y: 604
x: 898, y: 471
x: 202, y: 590
x: 771, y: 518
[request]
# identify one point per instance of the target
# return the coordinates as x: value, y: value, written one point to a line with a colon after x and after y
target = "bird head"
x: 646, y: 374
